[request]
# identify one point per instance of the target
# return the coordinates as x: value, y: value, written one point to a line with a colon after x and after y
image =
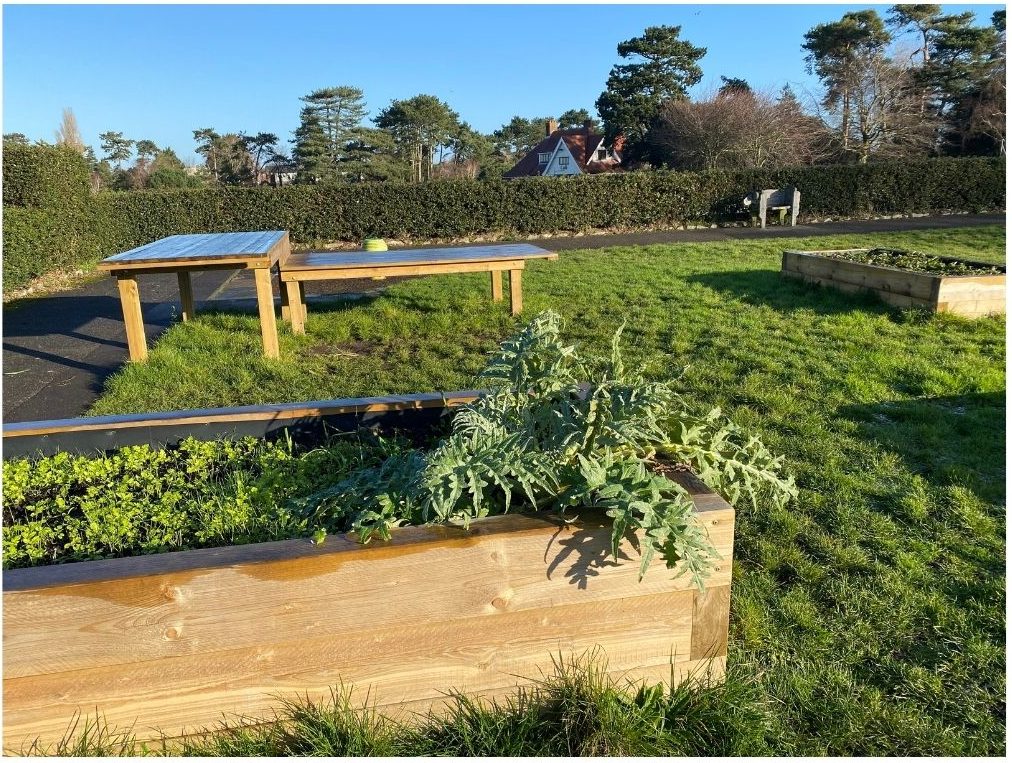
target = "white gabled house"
x: 575, y: 151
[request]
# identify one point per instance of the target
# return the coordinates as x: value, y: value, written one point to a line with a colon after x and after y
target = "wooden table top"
x: 442, y: 256
x: 195, y: 249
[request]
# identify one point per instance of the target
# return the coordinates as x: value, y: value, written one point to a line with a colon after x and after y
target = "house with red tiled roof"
x: 575, y: 151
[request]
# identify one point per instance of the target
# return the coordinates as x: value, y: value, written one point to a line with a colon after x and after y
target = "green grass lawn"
x: 868, y: 617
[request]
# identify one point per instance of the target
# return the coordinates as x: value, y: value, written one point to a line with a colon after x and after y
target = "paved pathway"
x: 59, y: 350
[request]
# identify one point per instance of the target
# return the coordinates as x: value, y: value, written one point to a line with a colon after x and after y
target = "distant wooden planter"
x: 174, y: 642
x: 971, y: 296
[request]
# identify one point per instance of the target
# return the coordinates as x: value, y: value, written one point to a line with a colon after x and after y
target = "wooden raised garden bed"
x: 970, y: 295
x: 175, y: 642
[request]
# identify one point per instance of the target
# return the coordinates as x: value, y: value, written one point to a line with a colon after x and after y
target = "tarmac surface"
x: 58, y: 350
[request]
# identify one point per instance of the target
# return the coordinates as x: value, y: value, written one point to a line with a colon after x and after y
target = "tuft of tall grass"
x: 577, y: 710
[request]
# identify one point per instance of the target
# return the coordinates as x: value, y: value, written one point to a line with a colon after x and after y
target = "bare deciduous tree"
x: 736, y: 130
x: 988, y: 112
x: 68, y: 134
x: 888, y: 121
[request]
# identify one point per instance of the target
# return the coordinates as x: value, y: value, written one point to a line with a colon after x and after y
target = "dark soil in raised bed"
x: 918, y: 261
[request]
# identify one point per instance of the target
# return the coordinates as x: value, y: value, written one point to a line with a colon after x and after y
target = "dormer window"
x: 544, y: 157
x: 602, y: 154
x: 563, y: 162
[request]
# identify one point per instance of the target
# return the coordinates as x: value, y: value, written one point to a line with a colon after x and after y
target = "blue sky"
x: 159, y: 72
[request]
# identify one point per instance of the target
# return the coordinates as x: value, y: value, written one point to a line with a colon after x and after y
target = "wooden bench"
x: 781, y: 200
x: 329, y: 266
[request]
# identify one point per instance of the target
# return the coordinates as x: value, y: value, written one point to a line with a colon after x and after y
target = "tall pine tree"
x: 329, y: 122
x: 663, y: 67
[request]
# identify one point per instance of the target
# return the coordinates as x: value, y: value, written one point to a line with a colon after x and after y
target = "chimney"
x: 551, y: 126
x: 588, y: 125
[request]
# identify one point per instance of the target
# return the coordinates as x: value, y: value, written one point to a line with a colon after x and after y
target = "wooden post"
x: 296, y: 306
x: 186, y: 295
x: 516, y: 292
x: 265, y: 301
x: 496, y: 286
x: 133, y: 320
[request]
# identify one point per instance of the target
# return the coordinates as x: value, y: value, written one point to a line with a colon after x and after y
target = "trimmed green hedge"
x: 39, y: 241
x: 44, y: 176
x: 452, y: 209
x: 49, y: 221
x: 457, y: 209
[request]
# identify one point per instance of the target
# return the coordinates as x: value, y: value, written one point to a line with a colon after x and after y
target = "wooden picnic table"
x: 329, y: 266
x: 183, y: 254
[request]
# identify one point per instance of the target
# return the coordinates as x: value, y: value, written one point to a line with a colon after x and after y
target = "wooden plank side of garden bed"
x: 920, y: 287
x: 972, y: 297
x: 481, y: 610
x: 91, y: 434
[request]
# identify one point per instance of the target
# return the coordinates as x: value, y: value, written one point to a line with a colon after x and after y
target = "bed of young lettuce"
x: 143, y: 500
x: 919, y: 262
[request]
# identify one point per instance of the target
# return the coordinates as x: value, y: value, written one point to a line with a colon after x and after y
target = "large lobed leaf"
x: 557, y: 431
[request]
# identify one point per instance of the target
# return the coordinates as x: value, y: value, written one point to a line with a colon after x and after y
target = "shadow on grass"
x: 769, y: 288
x: 958, y: 439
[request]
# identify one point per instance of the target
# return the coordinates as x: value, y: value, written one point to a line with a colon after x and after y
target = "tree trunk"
x: 846, y: 119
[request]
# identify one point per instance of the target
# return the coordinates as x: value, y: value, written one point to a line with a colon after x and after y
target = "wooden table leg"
x: 296, y: 306
x: 516, y: 292
x: 497, y: 286
x: 286, y: 305
x: 132, y: 319
x: 186, y: 295
x: 265, y: 302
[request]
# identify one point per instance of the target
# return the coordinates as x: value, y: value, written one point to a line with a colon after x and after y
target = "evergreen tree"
x: 518, y: 136
x: 664, y: 68
x: 420, y: 126
x: 734, y: 86
x: 206, y: 138
x: 146, y: 149
x: 371, y: 155
x: 261, y: 147
x: 924, y: 19
x: 974, y: 84
x: 577, y: 118
x: 328, y: 122
x: 311, y: 150
x: 117, y: 148
x: 836, y: 52
x: 474, y: 155
x: 235, y: 164
x: 960, y: 58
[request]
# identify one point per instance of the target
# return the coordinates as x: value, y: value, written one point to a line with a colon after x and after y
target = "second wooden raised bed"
x: 971, y: 296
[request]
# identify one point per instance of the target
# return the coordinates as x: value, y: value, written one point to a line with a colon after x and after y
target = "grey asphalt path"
x: 59, y: 350
x: 775, y: 231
